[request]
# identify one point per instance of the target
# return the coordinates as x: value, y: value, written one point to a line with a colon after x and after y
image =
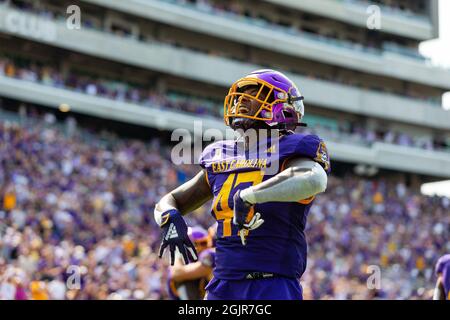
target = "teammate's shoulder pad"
x: 443, y: 262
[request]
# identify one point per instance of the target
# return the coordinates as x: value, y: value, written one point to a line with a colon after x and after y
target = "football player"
x: 442, y: 289
x: 262, y: 191
x: 188, y: 282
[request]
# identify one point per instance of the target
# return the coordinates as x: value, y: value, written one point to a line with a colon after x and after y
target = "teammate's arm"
x: 302, y: 179
x: 439, y: 292
x: 191, y: 271
x: 168, y: 215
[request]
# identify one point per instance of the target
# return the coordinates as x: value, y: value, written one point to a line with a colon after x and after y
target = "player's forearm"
x: 186, y: 198
x: 291, y: 185
x: 439, y: 293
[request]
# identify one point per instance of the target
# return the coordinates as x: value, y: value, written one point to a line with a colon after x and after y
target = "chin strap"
x: 292, y: 99
x: 290, y: 127
x: 252, y: 124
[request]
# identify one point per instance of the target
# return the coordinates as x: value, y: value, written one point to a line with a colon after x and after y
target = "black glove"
x: 175, y: 235
x: 242, y: 212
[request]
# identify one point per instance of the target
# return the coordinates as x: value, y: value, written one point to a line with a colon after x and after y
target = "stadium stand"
x: 85, y: 198
x: 78, y: 189
x: 122, y: 91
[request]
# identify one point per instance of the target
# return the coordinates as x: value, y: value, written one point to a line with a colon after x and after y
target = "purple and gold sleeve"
x: 205, y: 156
x: 446, y: 280
x: 212, y: 152
x: 442, y: 263
x: 443, y: 270
x: 311, y: 146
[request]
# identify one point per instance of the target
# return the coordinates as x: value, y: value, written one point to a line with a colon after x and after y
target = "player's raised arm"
x: 168, y: 214
x: 302, y: 179
x: 186, y: 198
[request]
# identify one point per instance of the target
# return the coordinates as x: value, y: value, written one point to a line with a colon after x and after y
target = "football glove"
x: 175, y: 235
x: 241, y: 216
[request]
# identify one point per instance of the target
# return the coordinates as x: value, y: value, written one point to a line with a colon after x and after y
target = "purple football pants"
x: 277, y: 288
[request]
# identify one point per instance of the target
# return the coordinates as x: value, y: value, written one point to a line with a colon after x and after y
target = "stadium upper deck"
x: 293, y: 33
x: 411, y: 19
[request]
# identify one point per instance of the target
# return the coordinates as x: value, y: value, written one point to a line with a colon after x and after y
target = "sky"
x: 438, y: 51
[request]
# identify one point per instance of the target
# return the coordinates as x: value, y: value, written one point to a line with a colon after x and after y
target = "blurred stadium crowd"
x: 122, y: 91
x: 115, y: 90
x: 78, y: 201
x: 86, y: 199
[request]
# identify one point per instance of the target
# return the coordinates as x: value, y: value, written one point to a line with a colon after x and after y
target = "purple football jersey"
x: 443, y: 269
x: 279, y: 245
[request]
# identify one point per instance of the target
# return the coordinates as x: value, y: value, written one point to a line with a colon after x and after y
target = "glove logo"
x: 175, y: 236
x: 172, y: 233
